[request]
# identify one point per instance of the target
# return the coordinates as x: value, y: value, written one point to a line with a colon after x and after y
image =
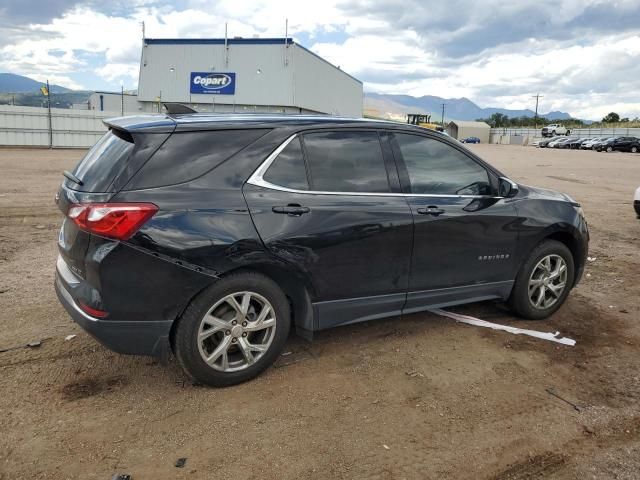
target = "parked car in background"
x: 544, y: 143
x: 596, y: 145
x: 566, y: 143
x: 557, y: 143
x: 215, y: 235
x: 590, y: 142
x: 625, y: 144
x: 575, y: 143
x: 606, y: 145
x: 470, y: 140
x: 555, y: 129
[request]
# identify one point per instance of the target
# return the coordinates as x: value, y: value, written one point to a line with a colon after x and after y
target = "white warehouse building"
x: 274, y: 75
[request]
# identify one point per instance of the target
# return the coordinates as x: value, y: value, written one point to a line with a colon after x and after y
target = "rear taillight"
x: 94, y: 312
x: 113, y: 220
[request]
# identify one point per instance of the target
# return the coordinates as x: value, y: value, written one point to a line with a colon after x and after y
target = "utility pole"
x: 535, y: 119
x: 442, y: 122
x: 49, y: 111
x: 122, y: 99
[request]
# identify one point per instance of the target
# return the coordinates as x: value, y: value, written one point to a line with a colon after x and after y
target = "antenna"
x: 286, y: 41
x: 226, y: 46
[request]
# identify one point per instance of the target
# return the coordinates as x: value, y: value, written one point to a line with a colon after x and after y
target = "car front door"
x: 465, y: 236
x: 622, y: 143
x: 329, y: 203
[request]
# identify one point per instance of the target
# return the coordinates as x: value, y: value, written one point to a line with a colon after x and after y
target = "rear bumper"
x: 122, y: 336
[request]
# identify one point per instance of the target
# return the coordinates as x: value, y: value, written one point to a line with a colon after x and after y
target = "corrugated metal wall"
x: 269, y: 75
x: 321, y: 87
x: 29, y: 126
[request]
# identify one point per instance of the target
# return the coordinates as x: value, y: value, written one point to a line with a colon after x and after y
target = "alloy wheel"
x: 237, y: 331
x: 547, y: 282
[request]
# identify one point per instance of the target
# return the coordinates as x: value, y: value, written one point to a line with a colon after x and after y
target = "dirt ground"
x: 418, y: 397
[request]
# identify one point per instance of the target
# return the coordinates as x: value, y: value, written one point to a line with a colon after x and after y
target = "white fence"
x: 526, y: 136
x: 29, y: 126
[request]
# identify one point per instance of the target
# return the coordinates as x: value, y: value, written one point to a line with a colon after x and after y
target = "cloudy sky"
x: 582, y: 55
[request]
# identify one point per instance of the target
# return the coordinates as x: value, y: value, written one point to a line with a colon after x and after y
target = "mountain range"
x: 12, y: 83
x: 375, y: 104
x: 397, y: 106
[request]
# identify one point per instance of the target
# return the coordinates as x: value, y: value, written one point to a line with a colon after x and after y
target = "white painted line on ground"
x: 552, y: 337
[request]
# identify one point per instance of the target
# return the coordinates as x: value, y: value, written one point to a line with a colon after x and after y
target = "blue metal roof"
x: 218, y: 41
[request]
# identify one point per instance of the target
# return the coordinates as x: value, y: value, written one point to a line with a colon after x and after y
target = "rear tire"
x: 215, y: 322
x: 536, y: 293
x: 634, y: 149
x: 609, y: 149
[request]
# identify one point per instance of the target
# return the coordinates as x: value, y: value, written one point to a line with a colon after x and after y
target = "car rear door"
x: 329, y: 203
x: 465, y: 236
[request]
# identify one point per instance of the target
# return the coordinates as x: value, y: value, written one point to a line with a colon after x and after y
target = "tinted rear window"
x: 186, y: 156
x: 103, y: 162
x: 346, y: 162
x: 288, y: 169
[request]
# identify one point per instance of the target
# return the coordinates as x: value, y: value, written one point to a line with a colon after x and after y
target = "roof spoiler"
x: 152, y: 123
x: 178, y: 109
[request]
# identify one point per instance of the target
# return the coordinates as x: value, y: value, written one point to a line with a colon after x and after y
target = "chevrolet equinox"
x: 213, y: 235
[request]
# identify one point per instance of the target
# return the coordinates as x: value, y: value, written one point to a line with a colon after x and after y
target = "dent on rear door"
x: 357, y: 247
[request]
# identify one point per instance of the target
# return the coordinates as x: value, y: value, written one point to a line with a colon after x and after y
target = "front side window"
x: 346, y: 161
x: 439, y: 169
x: 288, y: 169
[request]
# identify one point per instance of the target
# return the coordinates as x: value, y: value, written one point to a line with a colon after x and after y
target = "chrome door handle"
x: 430, y: 210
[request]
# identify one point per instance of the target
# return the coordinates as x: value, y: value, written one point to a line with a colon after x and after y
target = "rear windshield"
x: 103, y: 162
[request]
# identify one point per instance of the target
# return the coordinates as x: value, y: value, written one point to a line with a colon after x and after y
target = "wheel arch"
x: 296, y: 287
x: 569, y: 240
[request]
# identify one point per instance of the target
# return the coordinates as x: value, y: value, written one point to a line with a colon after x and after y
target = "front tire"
x: 543, y: 282
x: 634, y: 149
x: 609, y: 149
x: 233, y: 330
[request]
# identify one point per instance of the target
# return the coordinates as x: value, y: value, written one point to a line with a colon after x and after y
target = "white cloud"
x: 496, y: 55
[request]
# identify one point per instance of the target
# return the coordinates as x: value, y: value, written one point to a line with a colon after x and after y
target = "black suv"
x: 623, y: 144
x: 214, y: 235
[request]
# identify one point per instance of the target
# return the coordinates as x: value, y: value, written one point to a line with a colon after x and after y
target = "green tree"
x: 612, y: 117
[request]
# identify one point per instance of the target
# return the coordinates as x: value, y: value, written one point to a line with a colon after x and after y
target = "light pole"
x: 49, y: 115
x: 535, y: 119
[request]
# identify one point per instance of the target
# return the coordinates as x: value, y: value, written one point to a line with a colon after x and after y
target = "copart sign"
x: 213, y: 83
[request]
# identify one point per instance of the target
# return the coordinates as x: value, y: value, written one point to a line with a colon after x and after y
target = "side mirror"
x: 507, y: 188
